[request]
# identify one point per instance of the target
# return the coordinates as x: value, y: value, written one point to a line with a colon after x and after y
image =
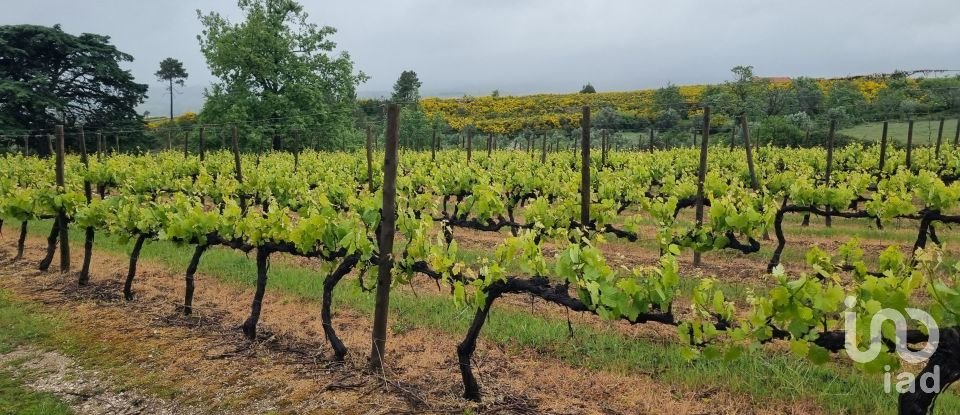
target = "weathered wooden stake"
x: 701, y: 176
x: 883, y: 149
x: 200, y: 142
x: 387, y: 228
x: 237, y: 171
x: 733, y: 136
x: 826, y: 179
x: 939, y: 138
x: 585, y: 168
x: 433, y: 143
x: 369, y: 159
x: 956, y: 135
x: 62, y: 214
x: 754, y: 184
x: 651, y: 138
x: 909, y: 143
x: 543, y: 150
x: 603, y: 148
x: 469, y: 144
x: 84, y: 276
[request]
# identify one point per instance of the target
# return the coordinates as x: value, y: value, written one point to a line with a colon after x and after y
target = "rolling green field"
x: 924, y: 131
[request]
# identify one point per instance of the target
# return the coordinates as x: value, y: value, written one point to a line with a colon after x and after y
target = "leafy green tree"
x: 275, y: 67
x: 897, y: 98
x: 667, y: 119
x: 407, y: 88
x: 808, y: 95
x: 588, y: 89
x: 607, y: 118
x: 747, y: 90
x: 846, y: 97
x: 717, y: 97
x: 172, y: 72
x: 416, y: 128
x: 779, y: 100
x: 942, y: 93
x: 669, y: 98
x: 48, y: 77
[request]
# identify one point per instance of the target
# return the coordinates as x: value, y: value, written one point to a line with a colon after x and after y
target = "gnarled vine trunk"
x: 84, y: 277
x: 22, y: 241
x: 51, y: 246
x: 471, y: 389
x: 943, y: 367
x: 132, y: 270
x: 191, y: 270
x: 250, y: 326
x: 326, y: 316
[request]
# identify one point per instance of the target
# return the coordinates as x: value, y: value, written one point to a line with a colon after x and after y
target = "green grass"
x: 17, y: 400
x: 21, y: 324
x: 766, y: 376
x: 924, y: 131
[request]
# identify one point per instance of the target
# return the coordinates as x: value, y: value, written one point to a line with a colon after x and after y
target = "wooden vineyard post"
x: 384, y: 278
x: 956, y: 135
x: 186, y: 144
x: 200, y: 142
x: 50, y: 140
x: 370, y: 158
x: 26, y: 145
x: 469, y: 144
x: 170, y: 139
x: 746, y: 143
x: 939, y: 138
x: 909, y: 143
x: 694, y: 136
x: 235, y: 146
x: 116, y: 142
x: 433, y: 145
x: 883, y: 149
x: 543, y: 150
x: 62, y: 214
x: 651, y: 139
x: 733, y: 136
x: 489, y: 145
x: 603, y: 149
x: 99, y: 146
x: 826, y: 179
x: 296, y: 150
x: 701, y: 176
x: 84, y: 276
x: 585, y: 168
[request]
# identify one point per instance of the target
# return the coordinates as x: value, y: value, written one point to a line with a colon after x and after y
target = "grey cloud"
x: 525, y: 46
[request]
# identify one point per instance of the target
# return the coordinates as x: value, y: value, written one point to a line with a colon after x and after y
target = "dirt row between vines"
x: 205, y: 360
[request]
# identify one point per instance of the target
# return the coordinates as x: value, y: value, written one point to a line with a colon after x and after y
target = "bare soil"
x: 87, y: 392
x: 203, y: 360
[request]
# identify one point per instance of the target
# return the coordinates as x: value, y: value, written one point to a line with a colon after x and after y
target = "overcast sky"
x: 525, y: 46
